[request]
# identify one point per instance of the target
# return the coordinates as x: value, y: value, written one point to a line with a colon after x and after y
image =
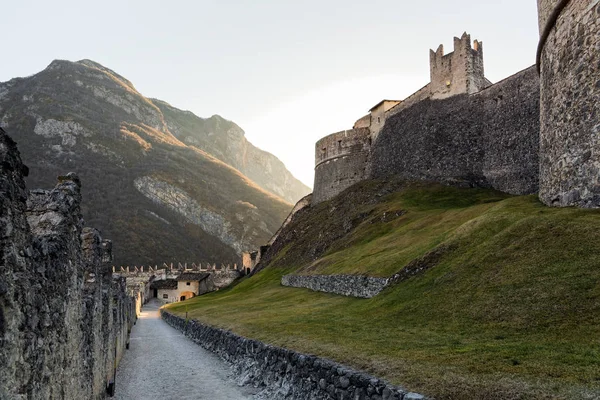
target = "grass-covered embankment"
x: 512, y: 309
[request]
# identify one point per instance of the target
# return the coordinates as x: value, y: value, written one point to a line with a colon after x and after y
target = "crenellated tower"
x: 458, y: 72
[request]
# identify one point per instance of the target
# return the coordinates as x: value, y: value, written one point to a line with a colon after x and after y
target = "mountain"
x: 164, y: 184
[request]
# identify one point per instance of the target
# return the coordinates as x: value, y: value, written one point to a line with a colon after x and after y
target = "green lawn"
x: 512, y: 311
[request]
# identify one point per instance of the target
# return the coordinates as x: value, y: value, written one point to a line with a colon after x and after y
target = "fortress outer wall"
x: 341, y: 160
x: 569, y: 62
x: 488, y: 139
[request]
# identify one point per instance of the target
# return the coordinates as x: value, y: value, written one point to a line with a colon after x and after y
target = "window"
x: 165, y: 296
x: 188, y: 283
x: 378, y: 120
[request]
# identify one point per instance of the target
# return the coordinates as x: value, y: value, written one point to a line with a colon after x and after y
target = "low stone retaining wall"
x: 365, y: 286
x: 346, y: 285
x: 285, y: 374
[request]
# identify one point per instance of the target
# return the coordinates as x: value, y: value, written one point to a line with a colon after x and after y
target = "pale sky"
x: 288, y: 72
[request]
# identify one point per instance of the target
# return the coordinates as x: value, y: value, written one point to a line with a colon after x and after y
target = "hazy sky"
x: 288, y: 72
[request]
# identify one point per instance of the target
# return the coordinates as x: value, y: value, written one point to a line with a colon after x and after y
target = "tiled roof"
x: 193, y: 276
x: 164, y: 284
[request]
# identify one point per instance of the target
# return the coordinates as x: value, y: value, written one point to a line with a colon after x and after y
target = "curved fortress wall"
x: 569, y: 61
x: 341, y: 160
x: 487, y: 139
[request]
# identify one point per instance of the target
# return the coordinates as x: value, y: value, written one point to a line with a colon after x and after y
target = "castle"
x: 527, y: 134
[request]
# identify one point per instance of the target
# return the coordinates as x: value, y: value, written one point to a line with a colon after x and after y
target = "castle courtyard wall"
x: 489, y: 139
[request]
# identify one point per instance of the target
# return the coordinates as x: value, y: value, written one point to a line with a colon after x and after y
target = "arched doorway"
x: 186, y: 295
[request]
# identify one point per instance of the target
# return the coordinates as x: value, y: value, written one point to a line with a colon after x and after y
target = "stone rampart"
x: 341, y: 160
x: 569, y: 61
x: 488, y: 139
x: 283, y: 373
x: 347, y: 285
x: 64, y: 320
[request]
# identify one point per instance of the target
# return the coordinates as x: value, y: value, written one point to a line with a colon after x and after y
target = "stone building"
x: 251, y: 259
x: 377, y: 115
x: 165, y: 290
x: 344, y: 158
x: 569, y: 65
x: 185, y: 286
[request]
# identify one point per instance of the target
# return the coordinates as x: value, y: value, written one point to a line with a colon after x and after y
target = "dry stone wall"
x: 64, y: 321
x: 286, y: 374
x: 489, y: 139
x: 346, y: 285
x: 570, y: 104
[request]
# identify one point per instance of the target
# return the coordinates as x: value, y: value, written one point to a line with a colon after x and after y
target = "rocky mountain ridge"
x: 165, y: 184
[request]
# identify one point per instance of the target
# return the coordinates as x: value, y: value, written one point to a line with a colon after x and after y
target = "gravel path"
x: 163, y: 364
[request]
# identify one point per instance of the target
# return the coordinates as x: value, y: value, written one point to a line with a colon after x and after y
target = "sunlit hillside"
x: 507, y: 308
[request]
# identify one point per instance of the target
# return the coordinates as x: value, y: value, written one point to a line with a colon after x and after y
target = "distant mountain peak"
x: 144, y: 162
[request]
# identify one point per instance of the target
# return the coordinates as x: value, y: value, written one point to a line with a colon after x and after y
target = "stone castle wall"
x: 419, y: 95
x: 341, y: 160
x: 64, y: 320
x: 569, y: 62
x: 488, y: 139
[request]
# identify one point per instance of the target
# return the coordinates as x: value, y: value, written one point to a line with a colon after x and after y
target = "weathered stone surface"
x: 365, y: 286
x: 341, y: 160
x: 570, y: 105
x: 282, y: 373
x: 346, y: 285
x: 488, y: 139
x: 63, y: 319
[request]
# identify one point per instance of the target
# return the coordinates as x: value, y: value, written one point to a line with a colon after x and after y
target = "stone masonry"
x: 346, y: 285
x: 569, y: 62
x: 523, y: 135
x: 341, y: 161
x: 64, y: 320
x: 285, y: 374
x: 487, y: 139
x: 344, y: 158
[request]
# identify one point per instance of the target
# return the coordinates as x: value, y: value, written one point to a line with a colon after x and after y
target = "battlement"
x: 171, y: 269
x: 458, y: 72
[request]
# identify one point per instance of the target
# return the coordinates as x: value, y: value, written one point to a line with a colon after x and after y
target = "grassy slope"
x: 512, y: 311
